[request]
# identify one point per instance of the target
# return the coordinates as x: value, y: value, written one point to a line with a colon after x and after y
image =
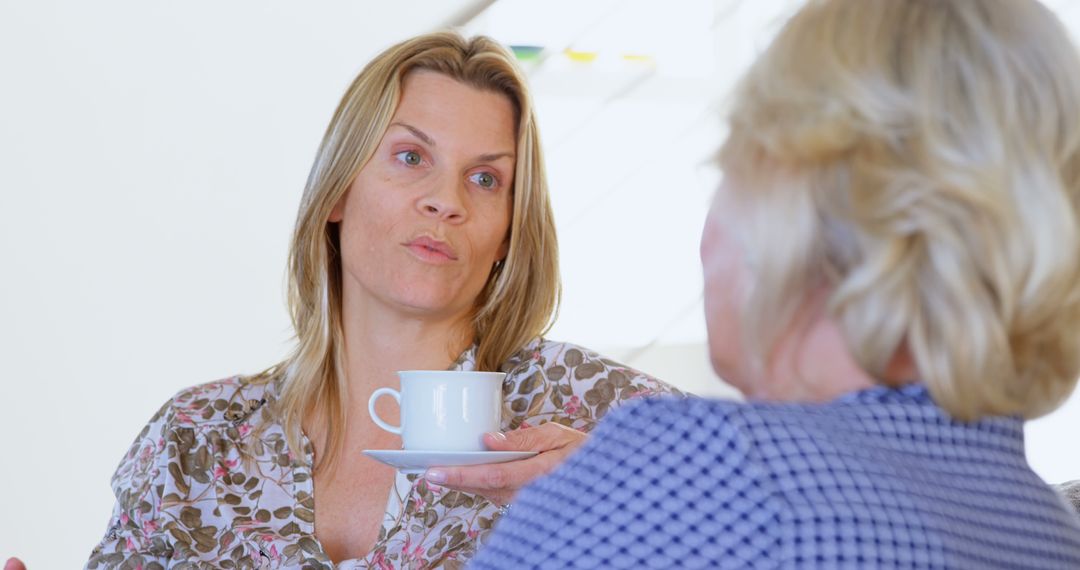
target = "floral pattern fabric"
x: 212, y: 482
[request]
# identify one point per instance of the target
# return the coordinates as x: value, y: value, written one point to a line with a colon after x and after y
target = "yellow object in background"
x: 580, y: 56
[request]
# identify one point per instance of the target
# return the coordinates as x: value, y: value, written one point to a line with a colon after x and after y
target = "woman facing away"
x: 892, y: 278
x: 424, y: 240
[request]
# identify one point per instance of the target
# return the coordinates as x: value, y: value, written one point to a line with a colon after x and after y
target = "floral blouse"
x: 211, y: 481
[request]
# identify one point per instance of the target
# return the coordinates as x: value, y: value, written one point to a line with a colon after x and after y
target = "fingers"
x: 495, y: 476
x: 498, y: 498
x: 498, y: 482
x: 14, y: 564
x: 541, y: 438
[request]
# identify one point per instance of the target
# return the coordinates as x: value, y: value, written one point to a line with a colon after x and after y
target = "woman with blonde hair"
x: 424, y: 241
x: 892, y: 278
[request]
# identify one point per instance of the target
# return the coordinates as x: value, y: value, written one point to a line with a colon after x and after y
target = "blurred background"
x: 152, y: 157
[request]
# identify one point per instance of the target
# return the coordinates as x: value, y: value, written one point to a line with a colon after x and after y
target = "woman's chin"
x: 436, y: 306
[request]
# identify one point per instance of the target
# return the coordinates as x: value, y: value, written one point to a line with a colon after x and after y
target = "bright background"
x: 152, y: 156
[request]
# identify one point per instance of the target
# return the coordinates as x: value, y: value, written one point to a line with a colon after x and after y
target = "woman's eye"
x: 410, y: 157
x: 484, y: 179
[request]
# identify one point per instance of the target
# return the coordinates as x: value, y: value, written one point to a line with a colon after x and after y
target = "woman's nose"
x: 444, y: 201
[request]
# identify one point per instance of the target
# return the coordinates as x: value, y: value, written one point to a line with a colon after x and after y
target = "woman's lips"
x: 432, y: 250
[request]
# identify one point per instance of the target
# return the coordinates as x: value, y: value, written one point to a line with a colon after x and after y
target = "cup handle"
x: 375, y: 417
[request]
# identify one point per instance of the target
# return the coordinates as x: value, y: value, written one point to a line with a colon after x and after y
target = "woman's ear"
x: 338, y: 212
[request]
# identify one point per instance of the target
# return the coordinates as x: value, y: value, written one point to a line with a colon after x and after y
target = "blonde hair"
x: 920, y: 159
x: 521, y: 296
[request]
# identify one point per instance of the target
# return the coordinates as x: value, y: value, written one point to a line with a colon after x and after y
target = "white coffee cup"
x: 444, y: 410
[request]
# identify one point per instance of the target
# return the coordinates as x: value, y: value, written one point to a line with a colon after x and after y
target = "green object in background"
x: 527, y: 53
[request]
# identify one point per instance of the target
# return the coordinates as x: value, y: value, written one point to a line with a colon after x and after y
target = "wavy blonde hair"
x: 521, y: 296
x: 921, y: 160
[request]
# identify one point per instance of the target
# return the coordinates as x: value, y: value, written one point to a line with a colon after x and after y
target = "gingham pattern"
x: 877, y: 479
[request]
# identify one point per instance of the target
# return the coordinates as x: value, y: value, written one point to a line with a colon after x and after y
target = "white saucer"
x: 408, y: 461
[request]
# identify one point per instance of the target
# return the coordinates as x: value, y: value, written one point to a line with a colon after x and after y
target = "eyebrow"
x: 491, y: 157
x: 416, y: 132
x: 495, y: 156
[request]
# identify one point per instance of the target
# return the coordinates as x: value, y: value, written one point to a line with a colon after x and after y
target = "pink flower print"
x: 417, y: 554
x: 473, y: 533
x: 572, y: 405
x: 273, y: 552
x: 380, y: 562
x: 225, y: 467
x: 244, y: 529
x: 149, y: 527
x: 418, y: 494
x: 183, y: 417
x: 246, y: 429
x: 124, y: 519
x: 266, y: 537
x: 130, y: 544
x: 644, y: 392
x: 536, y: 355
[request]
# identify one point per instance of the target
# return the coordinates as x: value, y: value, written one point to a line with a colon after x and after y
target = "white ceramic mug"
x: 444, y: 410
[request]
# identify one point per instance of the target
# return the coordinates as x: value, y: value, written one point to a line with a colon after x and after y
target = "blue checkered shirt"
x: 881, y: 478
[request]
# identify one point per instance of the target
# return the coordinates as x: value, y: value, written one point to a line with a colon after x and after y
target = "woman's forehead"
x: 435, y: 108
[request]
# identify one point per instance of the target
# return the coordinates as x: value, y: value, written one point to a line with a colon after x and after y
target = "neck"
x: 381, y: 340
x: 811, y: 363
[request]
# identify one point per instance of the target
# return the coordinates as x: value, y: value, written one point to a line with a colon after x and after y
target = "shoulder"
x: 569, y: 384
x: 228, y: 400
x: 721, y: 426
x: 665, y: 446
x: 666, y: 472
x: 556, y: 361
x: 541, y: 353
x: 225, y: 401
x: 759, y: 423
x: 732, y: 443
x: 731, y: 430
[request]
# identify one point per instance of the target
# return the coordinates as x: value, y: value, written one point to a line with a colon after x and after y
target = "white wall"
x: 152, y: 156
